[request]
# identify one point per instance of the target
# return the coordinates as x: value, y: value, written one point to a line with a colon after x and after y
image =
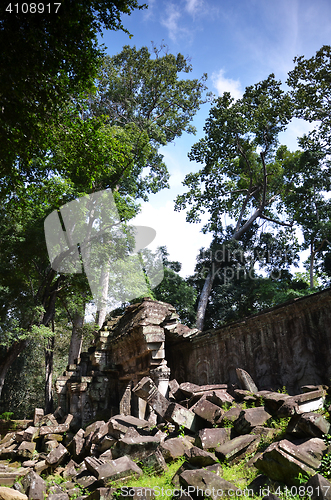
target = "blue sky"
x: 237, y: 43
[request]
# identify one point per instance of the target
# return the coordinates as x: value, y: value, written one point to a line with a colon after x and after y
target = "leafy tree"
x: 239, y: 287
x: 240, y: 176
x: 46, y: 58
x: 176, y: 290
x: 90, y: 153
x: 308, y: 179
x: 311, y: 83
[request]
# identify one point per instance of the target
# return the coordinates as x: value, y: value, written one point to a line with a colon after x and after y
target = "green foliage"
x: 51, y: 58
x: 280, y: 424
x: 176, y: 290
x: 6, y: 415
x: 325, y: 467
x: 86, y: 149
x: 162, y: 481
x: 233, y: 180
x: 283, y: 390
x: 181, y: 431
x: 24, y: 386
x: 310, y: 81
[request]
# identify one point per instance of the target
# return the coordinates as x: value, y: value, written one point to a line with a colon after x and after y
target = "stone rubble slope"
x: 208, y: 425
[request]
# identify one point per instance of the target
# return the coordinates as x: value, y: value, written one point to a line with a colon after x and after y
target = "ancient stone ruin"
x: 290, y: 346
x: 125, y: 407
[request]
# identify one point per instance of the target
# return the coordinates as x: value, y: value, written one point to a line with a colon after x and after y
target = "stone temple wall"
x: 290, y: 345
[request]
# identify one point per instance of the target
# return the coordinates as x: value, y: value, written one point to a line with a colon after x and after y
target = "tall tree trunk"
x: 203, y: 301
x: 49, y: 358
x: 9, y: 359
x: 104, y: 286
x: 48, y: 317
x: 76, y: 336
x: 208, y: 285
x: 311, y: 265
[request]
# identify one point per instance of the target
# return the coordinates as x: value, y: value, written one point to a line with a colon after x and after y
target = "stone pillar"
x: 160, y: 377
x: 125, y: 402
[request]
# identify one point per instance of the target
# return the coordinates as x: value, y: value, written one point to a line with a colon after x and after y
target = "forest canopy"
x: 75, y: 121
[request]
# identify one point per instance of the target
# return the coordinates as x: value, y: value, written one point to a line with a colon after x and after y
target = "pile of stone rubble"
x: 207, y: 425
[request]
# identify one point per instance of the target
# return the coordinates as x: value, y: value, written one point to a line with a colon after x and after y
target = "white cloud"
x: 182, y: 239
x: 193, y: 6
x: 173, y: 15
x: 223, y: 84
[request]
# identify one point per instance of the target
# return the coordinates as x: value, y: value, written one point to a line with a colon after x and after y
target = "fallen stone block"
x: 58, y: 496
x: 34, y: 486
x: 137, y: 447
x: 87, y: 482
x: 201, y: 482
x: 70, y: 469
x: 209, y: 439
x: 100, y: 433
x: 29, y: 463
x: 40, y: 466
x: 106, y: 443
x: 173, y: 448
x: 121, y: 468
x: 26, y: 449
x: 318, y: 488
x: 200, y: 458
x: 220, y: 398
x: 59, y: 414
x: 38, y: 416
x: 250, y: 418
x: 171, y: 412
x: 92, y: 428
x: 207, y: 410
x: 310, y: 401
x: 48, y: 446
x: 77, y: 443
x: 49, y: 420
x: 56, y: 456
x: 174, y: 389
x: 272, y: 400
x: 188, y: 389
x: 119, y: 424
x: 9, y: 475
x: 102, y: 494
x: 8, y: 452
x: 31, y: 433
x: 229, y: 416
x: 106, y: 455
x: 68, y: 419
x: 289, y: 407
x: 235, y: 449
x: 9, y: 494
x: 153, y: 463
x: 19, y: 437
x: 246, y: 381
x: 284, y: 461
x: 264, y: 432
x: 308, y: 424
